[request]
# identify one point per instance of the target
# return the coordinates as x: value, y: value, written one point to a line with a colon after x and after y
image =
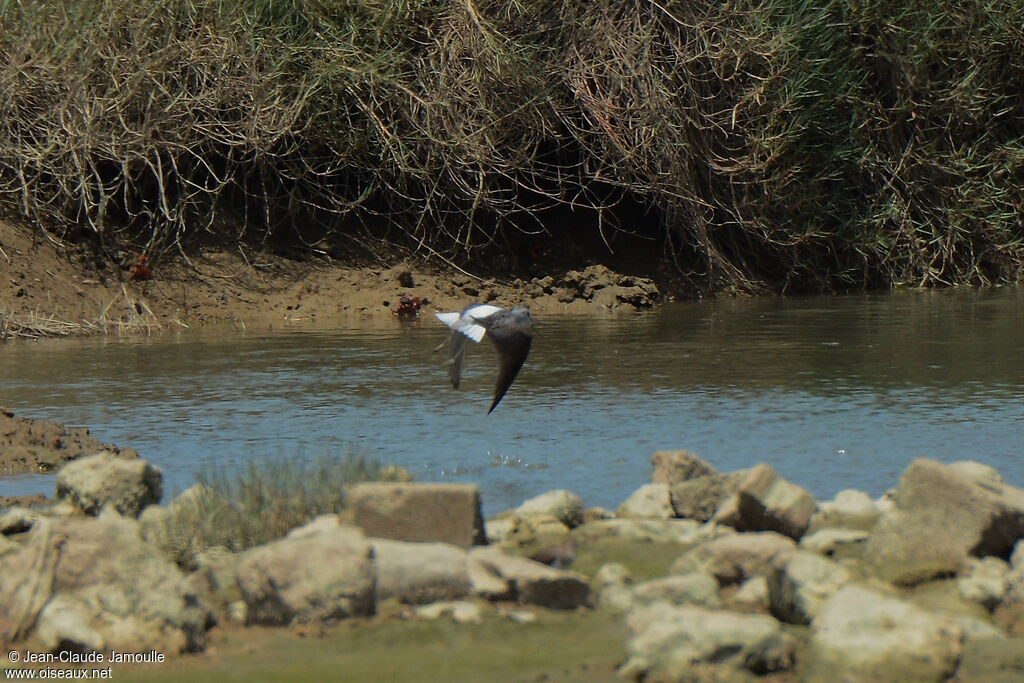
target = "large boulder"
x: 735, y: 558
x: 420, y: 513
x: 862, y: 635
x: 799, y: 584
x: 673, y: 643
x: 126, y: 484
x: 942, y: 516
x: 317, y: 575
x: 767, y: 502
x: 418, y: 573
x: 529, y: 582
x: 95, y: 584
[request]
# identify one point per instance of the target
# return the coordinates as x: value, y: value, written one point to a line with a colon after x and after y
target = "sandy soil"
x: 47, y: 280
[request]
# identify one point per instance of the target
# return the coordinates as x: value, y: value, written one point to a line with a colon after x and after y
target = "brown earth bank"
x: 53, y: 288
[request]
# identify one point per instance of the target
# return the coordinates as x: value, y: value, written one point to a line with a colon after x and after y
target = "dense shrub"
x: 780, y: 144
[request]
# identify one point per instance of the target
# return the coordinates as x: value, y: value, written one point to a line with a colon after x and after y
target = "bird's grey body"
x: 510, y: 331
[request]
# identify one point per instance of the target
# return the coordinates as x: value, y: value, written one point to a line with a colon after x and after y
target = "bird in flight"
x: 511, y: 331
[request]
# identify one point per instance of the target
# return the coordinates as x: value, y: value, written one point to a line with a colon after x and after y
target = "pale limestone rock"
x: 863, y: 635
x: 420, y: 573
x: 985, y: 582
x: 562, y: 505
x: 96, y: 584
x: 650, y: 501
x: 461, y: 611
x: 801, y: 582
x: 669, y: 642
x: 674, y: 466
x: 767, y: 502
x: 851, y: 509
x: 681, y: 589
x: 534, y: 583
x: 91, y: 483
x: 308, y: 577
x: 942, y: 517
x: 734, y: 559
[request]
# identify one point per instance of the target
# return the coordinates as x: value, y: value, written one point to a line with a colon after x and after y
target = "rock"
x: 752, y: 593
x: 992, y: 661
x: 655, y: 531
x: 851, y: 509
x: 611, y: 574
x: 650, y: 501
x: 8, y: 546
x: 17, y: 520
x: 870, y: 636
x: 838, y: 543
x: 95, y: 584
x: 700, y: 497
x: 801, y: 582
x: 612, y: 585
x: 671, y: 467
x: 734, y: 559
x: 977, y: 472
x: 487, y: 582
x: 564, y: 506
x: 669, y: 642
x: 510, y: 528
x: 420, y: 513
x: 534, y: 583
x: 984, y: 581
x: 308, y: 577
x: 941, y: 517
x: 767, y: 502
x: 683, y: 589
x: 214, y: 577
x: 419, y: 573
x: 558, y: 555
x: 128, y: 485
x: 460, y: 611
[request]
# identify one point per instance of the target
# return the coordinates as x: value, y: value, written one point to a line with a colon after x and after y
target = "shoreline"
x: 59, y: 290
x: 697, y: 560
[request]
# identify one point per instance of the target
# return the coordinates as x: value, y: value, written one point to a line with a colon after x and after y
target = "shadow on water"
x: 835, y: 392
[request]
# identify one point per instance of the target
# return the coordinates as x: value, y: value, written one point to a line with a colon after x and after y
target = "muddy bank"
x: 57, y: 289
x: 709, y: 576
x: 28, y: 445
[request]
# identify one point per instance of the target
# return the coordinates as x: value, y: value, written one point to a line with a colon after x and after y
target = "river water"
x: 833, y: 391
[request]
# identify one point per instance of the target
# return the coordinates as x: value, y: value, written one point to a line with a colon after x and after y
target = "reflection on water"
x: 835, y: 392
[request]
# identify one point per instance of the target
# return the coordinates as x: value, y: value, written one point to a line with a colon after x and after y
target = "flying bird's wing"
x: 511, y: 332
x: 512, y: 340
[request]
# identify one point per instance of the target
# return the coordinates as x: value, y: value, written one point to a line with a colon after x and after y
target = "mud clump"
x: 28, y: 445
x: 597, y: 285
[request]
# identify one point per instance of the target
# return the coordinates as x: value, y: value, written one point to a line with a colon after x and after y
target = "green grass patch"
x: 245, y: 507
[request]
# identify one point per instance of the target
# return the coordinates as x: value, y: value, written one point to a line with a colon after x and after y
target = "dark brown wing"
x: 513, y: 347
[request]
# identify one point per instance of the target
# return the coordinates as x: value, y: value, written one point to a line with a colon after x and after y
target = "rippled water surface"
x: 835, y: 392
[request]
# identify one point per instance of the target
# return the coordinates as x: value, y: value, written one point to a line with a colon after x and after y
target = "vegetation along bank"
x: 713, y: 147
